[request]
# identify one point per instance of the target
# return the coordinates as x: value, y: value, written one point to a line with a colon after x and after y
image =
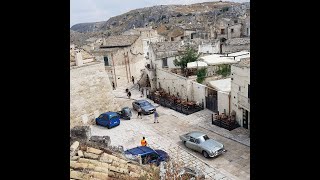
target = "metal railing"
x: 244, y: 101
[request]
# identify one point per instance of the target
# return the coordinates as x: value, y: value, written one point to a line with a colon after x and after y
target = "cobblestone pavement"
x: 234, y: 164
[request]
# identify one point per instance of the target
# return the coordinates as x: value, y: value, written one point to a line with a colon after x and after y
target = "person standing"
x: 132, y: 78
x: 144, y: 142
x: 156, y: 115
x: 139, y: 113
x: 129, y: 94
x: 113, y: 85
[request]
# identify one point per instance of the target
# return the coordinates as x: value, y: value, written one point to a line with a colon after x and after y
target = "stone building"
x: 148, y: 36
x: 176, y: 34
x: 123, y: 58
x: 240, y: 91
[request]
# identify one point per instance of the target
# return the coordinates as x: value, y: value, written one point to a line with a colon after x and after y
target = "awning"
x: 197, y: 64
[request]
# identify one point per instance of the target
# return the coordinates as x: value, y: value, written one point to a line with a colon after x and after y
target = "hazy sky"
x: 82, y: 11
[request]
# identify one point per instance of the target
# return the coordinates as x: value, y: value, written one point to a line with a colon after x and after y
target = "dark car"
x: 148, y: 155
x: 108, y: 119
x: 146, y: 107
x: 125, y: 113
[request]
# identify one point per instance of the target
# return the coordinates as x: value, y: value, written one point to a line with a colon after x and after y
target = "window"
x: 231, y: 30
x: 222, y: 31
x: 164, y: 62
x: 154, y: 156
x: 192, y: 140
x: 202, y: 139
x: 106, y: 61
x: 100, y: 116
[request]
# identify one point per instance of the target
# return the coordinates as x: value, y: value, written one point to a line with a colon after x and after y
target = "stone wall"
x: 223, y: 102
x: 90, y: 93
x: 176, y: 84
x: 236, y: 44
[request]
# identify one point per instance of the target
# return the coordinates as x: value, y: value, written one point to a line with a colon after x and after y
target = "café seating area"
x: 174, y: 102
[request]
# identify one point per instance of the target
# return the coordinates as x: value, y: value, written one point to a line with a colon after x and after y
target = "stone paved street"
x: 234, y: 164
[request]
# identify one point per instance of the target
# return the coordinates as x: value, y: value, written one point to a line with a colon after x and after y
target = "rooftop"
x: 166, y: 46
x: 221, y: 85
x: 120, y: 40
x: 216, y: 59
x: 176, y: 32
x: 196, y: 64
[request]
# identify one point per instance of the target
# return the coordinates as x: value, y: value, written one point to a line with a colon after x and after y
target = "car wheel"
x: 205, y: 154
x: 108, y: 126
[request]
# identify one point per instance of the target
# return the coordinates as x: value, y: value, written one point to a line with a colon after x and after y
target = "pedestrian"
x: 144, y: 142
x: 113, y: 85
x: 156, y: 115
x: 139, y: 113
x: 129, y: 94
x: 132, y: 79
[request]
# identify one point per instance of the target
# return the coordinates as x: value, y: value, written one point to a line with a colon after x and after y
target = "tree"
x: 189, y: 56
x: 224, y: 70
x: 201, y: 74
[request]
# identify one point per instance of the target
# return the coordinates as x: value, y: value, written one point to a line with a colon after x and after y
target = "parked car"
x: 146, y: 107
x: 147, y: 155
x: 200, y: 142
x: 108, y: 119
x: 125, y: 113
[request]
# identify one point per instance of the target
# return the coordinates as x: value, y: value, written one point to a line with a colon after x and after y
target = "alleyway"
x: 234, y: 164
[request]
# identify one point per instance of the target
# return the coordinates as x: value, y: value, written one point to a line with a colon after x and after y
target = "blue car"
x: 108, y: 119
x: 148, y: 155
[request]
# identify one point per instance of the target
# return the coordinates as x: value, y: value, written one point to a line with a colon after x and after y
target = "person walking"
x: 132, y: 78
x: 156, y: 115
x: 139, y: 113
x: 144, y: 142
x: 129, y: 94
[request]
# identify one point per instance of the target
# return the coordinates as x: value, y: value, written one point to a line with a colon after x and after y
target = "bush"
x: 201, y: 74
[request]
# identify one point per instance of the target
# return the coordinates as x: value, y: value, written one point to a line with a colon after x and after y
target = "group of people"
x: 155, y: 115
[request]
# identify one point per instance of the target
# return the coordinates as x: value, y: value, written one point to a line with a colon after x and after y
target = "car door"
x: 191, y: 143
x: 197, y: 145
x: 105, y: 120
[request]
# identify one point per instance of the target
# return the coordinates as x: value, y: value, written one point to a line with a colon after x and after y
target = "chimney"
x: 79, y: 61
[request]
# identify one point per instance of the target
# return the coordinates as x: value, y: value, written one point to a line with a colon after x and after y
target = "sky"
x: 82, y: 11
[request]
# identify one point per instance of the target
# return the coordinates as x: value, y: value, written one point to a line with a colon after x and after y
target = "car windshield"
x: 203, y: 138
x: 145, y: 103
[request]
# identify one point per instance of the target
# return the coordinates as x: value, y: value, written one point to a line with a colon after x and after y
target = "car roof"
x: 196, y: 134
x: 140, y: 150
x: 141, y: 100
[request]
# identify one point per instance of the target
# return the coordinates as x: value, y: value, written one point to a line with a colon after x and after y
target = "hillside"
x: 164, y: 14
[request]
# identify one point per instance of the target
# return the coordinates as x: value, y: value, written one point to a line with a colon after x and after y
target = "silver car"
x: 200, y: 142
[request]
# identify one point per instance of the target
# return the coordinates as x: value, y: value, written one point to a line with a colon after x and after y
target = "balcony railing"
x: 244, y: 101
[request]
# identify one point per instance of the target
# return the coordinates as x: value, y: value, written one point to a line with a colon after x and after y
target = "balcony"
x: 244, y: 102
